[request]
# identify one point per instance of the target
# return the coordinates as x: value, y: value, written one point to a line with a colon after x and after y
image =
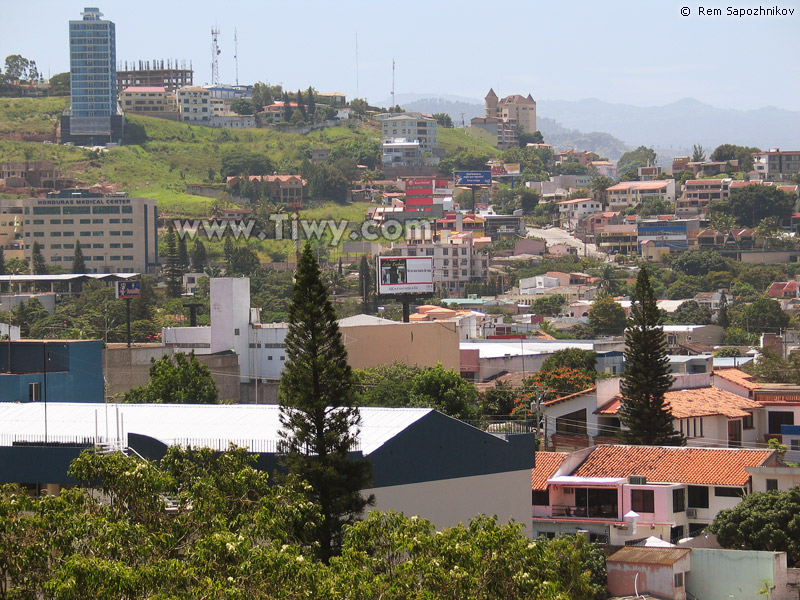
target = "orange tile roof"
x: 698, y: 402
x: 575, y: 395
x: 738, y: 377
x: 547, y: 463
x: 694, y: 466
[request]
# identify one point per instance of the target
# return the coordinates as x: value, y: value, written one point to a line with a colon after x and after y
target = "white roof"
x: 364, y: 320
x: 521, y: 347
x: 654, y: 542
x: 215, y: 425
x: 572, y: 480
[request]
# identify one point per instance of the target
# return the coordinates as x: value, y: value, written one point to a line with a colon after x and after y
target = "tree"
x: 199, y: 256
x: 573, y: 358
x: 631, y: 161
x: 698, y: 154
x: 78, y: 262
x: 172, y: 268
x: 243, y: 261
x: 245, y: 162
x: 184, y: 381
x: 311, y: 103
x: 723, y: 319
x: 446, y: 391
x: 647, y: 377
x: 762, y: 521
x: 751, y: 204
x: 60, y: 84
x: 609, y: 284
x: 243, y: 106
x: 19, y: 68
x: 498, y: 400
x: 698, y: 262
x: 183, y: 253
x: 39, y: 264
x: 555, y: 383
x: 765, y: 315
x: 318, y: 412
x: 548, y: 305
x: 691, y: 313
x: 2, y: 261
x: 728, y: 152
x: 607, y: 317
x: 365, y: 284
x: 443, y: 120
x: 359, y: 106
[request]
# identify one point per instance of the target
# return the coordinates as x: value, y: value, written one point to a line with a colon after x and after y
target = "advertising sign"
x: 506, y: 170
x: 405, y: 275
x: 128, y: 289
x: 473, y: 178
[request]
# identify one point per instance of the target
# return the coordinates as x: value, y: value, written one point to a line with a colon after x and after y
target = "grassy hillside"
x: 30, y: 115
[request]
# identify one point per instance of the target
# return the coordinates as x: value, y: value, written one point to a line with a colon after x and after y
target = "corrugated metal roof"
x: 172, y: 423
x: 649, y: 555
x: 501, y: 349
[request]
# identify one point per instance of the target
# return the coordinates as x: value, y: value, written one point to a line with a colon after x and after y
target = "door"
x: 735, y: 433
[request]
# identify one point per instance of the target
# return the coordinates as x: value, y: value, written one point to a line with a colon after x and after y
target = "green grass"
x: 31, y: 115
x: 472, y: 138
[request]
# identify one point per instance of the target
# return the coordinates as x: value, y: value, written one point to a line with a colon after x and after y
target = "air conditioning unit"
x: 637, y: 480
x: 691, y: 513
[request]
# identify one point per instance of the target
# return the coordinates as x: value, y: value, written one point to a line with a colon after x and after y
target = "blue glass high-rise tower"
x: 93, y: 80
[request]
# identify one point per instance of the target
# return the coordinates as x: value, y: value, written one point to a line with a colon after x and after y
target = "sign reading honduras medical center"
x: 405, y: 275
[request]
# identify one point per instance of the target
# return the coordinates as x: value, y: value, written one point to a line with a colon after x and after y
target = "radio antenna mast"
x: 236, y: 53
x: 215, y: 52
x: 393, y: 101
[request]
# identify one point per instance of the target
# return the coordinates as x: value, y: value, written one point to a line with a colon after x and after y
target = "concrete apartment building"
x: 632, y: 193
x: 93, y: 117
x: 169, y: 76
x: 697, y: 193
x: 149, y: 101
x: 411, y: 126
x: 118, y: 234
x: 194, y: 104
x: 776, y: 165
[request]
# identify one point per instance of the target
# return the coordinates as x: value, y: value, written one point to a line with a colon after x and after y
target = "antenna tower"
x: 236, y: 53
x: 357, y: 96
x: 393, y: 102
x: 215, y: 52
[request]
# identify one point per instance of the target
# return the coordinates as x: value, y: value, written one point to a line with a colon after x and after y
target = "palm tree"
x: 609, y: 284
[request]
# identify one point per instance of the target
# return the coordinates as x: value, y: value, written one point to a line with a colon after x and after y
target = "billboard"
x: 128, y: 289
x: 506, y: 170
x: 405, y: 275
x: 473, y: 178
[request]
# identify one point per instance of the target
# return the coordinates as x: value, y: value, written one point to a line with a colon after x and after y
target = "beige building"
x: 149, y: 101
x: 411, y: 127
x: 117, y: 234
x: 632, y: 193
x: 521, y: 109
x: 194, y: 104
x: 11, y: 228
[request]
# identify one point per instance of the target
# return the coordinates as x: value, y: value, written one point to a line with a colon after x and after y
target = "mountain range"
x: 671, y: 129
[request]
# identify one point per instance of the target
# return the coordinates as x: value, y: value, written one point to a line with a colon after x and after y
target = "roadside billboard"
x: 405, y: 275
x: 473, y: 178
x: 128, y: 289
x: 506, y: 170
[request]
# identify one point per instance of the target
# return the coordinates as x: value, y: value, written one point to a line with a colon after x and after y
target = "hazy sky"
x: 641, y: 52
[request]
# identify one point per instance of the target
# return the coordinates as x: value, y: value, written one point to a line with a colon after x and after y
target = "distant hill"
x: 674, y: 127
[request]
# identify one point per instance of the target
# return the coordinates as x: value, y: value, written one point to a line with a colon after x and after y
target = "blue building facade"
x: 51, y: 370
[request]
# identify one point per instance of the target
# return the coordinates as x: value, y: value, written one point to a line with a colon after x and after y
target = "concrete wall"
x: 126, y: 368
x: 422, y: 344
x: 724, y: 574
x: 451, y: 501
x: 654, y: 579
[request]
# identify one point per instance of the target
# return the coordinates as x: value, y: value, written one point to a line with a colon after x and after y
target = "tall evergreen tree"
x: 228, y: 248
x: 183, y: 253
x: 318, y: 413
x: 300, y: 104
x: 2, y: 261
x: 199, y: 255
x: 723, y: 320
x: 312, y: 105
x: 78, y: 262
x: 172, y: 268
x: 647, y: 375
x: 365, y: 284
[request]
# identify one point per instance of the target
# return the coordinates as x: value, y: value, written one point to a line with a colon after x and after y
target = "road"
x: 556, y: 235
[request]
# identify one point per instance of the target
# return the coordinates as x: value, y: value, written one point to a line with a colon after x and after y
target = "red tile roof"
x: 575, y: 395
x: 547, y: 463
x: 738, y: 377
x: 694, y: 466
x: 639, y: 185
x: 781, y: 288
x: 698, y: 402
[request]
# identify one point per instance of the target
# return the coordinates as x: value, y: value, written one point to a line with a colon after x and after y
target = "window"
x: 97, y: 245
x: 698, y: 496
x: 541, y: 498
x: 127, y: 233
x: 46, y: 210
x: 772, y: 484
x: 97, y: 221
x: 678, y: 500
x: 678, y: 580
x: 38, y: 221
x: 643, y: 501
x: 778, y: 418
x: 85, y: 221
x: 747, y: 422
x: 97, y: 234
x: 86, y: 233
x: 726, y: 492
x: 53, y: 222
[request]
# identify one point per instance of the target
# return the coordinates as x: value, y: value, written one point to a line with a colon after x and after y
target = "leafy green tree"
x: 607, y: 317
x: 19, y: 68
x: 311, y: 102
x: 17, y: 266
x: 60, y: 84
x: 78, y: 261
x: 765, y: 315
x: 647, y: 377
x: 386, y: 385
x: 172, y: 269
x: 631, y: 161
x: 365, y: 285
x: 498, y: 400
x: 2, y: 261
x: 318, y: 410
x: 359, y: 106
x: 443, y: 120
x: 728, y: 152
x: 548, y: 305
x: 762, y: 521
x: 723, y: 320
x: 598, y: 187
x: 183, y: 381
x: 25, y: 314
x: 243, y: 261
x: 735, y: 336
x: 574, y: 358
x: 364, y: 152
x: 245, y: 162
x: 243, y: 106
x: 698, y: 262
x: 446, y: 391
x: 691, y: 313
x: 686, y: 286
x: 751, y: 204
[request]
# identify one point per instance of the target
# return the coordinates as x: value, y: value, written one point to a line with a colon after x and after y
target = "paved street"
x: 556, y: 235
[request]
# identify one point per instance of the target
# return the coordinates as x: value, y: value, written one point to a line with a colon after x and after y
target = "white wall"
x: 230, y: 318
x: 723, y: 574
x: 451, y: 501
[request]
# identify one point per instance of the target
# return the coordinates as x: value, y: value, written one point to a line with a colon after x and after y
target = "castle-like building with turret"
x: 505, y: 118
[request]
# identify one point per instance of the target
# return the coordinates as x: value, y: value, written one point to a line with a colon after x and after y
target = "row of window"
x: 41, y: 234
x: 80, y: 210
x: 81, y: 221
x: 90, y: 258
x: 93, y: 246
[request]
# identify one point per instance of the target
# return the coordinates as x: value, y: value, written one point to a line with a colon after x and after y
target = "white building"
x: 413, y: 127
x: 194, y: 104
x: 572, y: 212
x: 632, y: 193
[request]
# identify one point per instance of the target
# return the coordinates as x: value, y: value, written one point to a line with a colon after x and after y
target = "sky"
x: 640, y: 52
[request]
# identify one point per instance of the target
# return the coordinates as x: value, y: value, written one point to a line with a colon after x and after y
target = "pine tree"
x: 2, y: 261
x: 647, y: 375
x: 78, y: 262
x: 317, y: 401
x: 199, y: 256
x: 172, y: 268
x: 312, y: 105
x: 300, y: 105
x: 39, y: 265
x: 723, y: 320
x: 228, y: 248
x: 183, y: 253
x: 365, y: 284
